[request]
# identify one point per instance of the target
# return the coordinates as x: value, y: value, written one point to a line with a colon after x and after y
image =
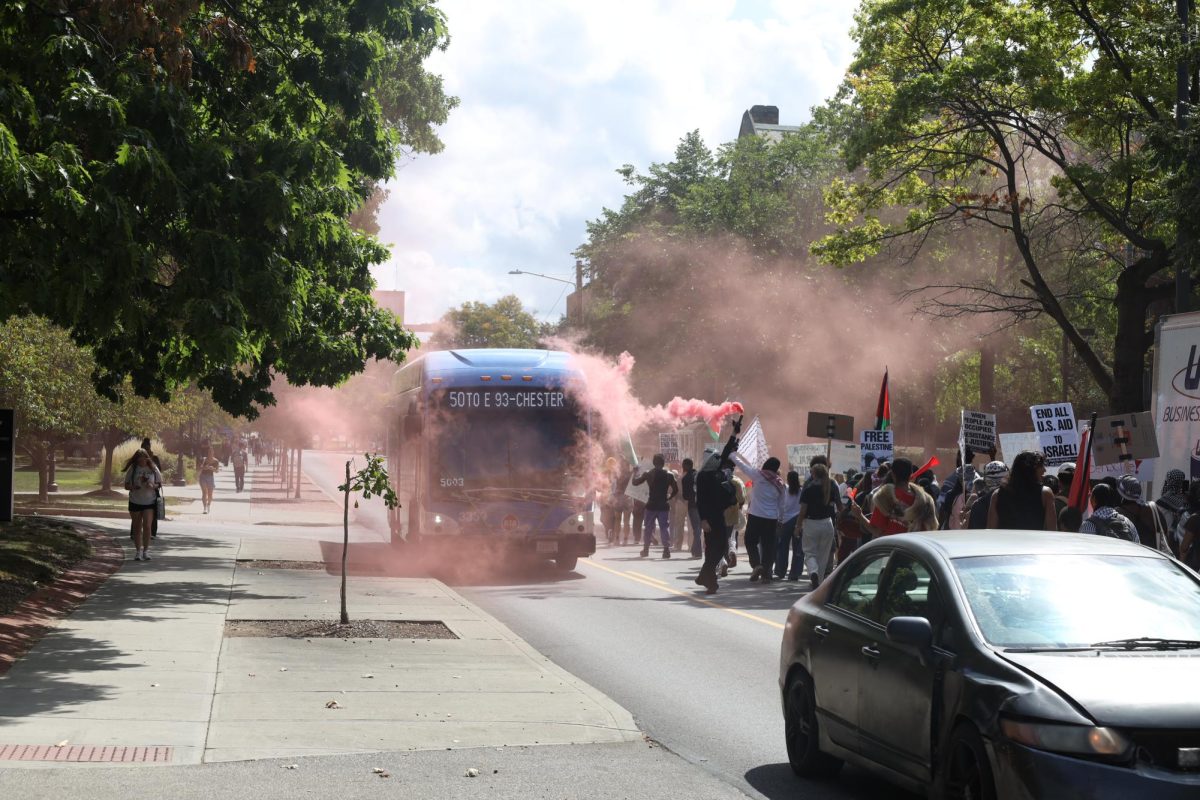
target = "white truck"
x: 1176, y: 400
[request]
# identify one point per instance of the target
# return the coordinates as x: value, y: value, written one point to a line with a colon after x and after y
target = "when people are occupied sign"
x: 875, y: 446
x: 978, y: 431
x: 1057, y: 433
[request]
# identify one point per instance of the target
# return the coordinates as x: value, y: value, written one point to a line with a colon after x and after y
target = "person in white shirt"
x: 762, y: 520
x: 789, y: 514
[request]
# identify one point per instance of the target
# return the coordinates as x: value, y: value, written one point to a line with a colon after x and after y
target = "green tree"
x: 1050, y: 122
x: 504, y: 323
x: 370, y: 481
x: 176, y: 178
x: 46, y: 379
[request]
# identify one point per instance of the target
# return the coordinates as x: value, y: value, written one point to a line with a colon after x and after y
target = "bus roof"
x: 456, y: 367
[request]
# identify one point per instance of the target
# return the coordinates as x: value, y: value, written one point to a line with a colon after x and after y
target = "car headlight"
x: 1074, y: 739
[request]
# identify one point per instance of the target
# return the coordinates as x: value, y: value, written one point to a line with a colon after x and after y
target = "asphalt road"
x: 698, y: 673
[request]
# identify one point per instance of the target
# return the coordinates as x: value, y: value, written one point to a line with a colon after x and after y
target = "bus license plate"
x: 547, y: 547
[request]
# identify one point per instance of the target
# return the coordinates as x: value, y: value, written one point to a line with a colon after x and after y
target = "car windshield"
x: 1066, y: 601
x: 504, y: 439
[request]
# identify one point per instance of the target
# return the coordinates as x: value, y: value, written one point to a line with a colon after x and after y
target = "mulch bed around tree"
x: 47, y: 568
x: 278, y: 564
x: 325, y: 629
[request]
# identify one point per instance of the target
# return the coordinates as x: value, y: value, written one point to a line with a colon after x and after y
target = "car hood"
x: 1139, y: 689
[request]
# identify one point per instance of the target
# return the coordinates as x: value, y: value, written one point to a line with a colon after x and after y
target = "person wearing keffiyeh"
x: 762, y: 520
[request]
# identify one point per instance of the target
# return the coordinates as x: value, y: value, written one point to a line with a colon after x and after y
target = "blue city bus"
x: 482, y: 444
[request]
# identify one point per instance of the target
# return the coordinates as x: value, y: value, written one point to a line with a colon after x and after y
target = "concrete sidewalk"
x: 145, y: 663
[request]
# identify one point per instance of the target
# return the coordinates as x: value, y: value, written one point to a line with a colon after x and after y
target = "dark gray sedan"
x: 1007, y: 664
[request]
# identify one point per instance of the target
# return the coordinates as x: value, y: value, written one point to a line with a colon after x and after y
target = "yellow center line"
x: 647, y: 577
x: 642, y: 579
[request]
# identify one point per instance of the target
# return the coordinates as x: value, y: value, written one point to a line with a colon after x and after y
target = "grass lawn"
x: 69, y: 479
x: 83, y: 501
x: 76, y: 479
x: 34, y: 551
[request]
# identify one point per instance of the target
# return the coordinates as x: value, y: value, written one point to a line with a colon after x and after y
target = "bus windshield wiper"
x: 1151, y: 643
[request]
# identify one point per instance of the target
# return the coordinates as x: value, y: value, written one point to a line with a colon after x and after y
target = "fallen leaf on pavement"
x: 332, y: 704
x: 368, y: 675
x: 154, y: 686
x: 283, y: 669
x: 292, y: 766
x: 377, y: 770
x: 472, y: 773
x: 63, y: 743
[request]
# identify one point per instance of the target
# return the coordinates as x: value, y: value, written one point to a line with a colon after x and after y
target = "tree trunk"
x: 299, y: 462
x: 1129, y: 349
x: 987, y: 379
x: 345, y: 618
x: 112, y: 438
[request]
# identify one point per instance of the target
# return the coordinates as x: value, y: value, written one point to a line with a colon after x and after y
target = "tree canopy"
x: 505, y: 323
x: 1052, y: 123
x: 176, y: 179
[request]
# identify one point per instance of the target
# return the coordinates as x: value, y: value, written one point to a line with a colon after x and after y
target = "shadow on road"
x: 464, y: 565
x: 778, y: 782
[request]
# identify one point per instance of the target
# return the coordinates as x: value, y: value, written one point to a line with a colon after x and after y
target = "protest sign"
x: 978, y: 431
x: 843, y: 456
x: 875, y: 446
x: 640, y: 493
x: 1013, y: 443
x: 822, y: 425
x: 1057, y: 432
x: 668, y: 445
x: 1124, y: 438
x: 800, y: 454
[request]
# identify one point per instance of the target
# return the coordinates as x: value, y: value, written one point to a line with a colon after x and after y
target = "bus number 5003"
x: 449, y: 483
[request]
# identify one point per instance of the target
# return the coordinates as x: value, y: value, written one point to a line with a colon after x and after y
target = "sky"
x: 555, y: 96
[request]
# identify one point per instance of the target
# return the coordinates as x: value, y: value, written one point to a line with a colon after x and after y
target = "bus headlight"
x: 579, y: 518
x: 437, y: 519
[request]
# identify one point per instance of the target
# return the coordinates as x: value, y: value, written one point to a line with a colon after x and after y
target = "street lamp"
x: 540, y: 275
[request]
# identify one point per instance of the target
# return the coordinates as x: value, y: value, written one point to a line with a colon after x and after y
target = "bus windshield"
x: 511, y: 438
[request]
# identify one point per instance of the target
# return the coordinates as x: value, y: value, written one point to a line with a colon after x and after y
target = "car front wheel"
x: 803, y: 736
x: 966, y: 771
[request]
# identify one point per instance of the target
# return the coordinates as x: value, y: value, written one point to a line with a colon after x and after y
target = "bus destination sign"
x: 506, y: 399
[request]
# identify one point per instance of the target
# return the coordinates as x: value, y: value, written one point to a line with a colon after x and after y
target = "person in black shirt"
x: 663, y: 489
x: 714, y: 494
x: 688, y: 490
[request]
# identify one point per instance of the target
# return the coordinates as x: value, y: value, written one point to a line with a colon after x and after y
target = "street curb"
x: 41, y: 611
x: 79, y: 513
x: 622, y: 720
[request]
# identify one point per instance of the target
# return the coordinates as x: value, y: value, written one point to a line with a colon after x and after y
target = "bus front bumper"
x: 558, y: 545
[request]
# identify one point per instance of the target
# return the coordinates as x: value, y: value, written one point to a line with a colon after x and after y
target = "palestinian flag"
x: 883, y: 410
x: 1081, y: 485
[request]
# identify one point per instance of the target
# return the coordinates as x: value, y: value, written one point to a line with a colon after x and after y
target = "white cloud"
x: 557, y: 96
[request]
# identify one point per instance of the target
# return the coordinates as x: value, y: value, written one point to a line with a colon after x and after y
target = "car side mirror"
x: 915, y: 632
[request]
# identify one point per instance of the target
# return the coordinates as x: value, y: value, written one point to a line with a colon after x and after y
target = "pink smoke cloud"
x: 608, y: 393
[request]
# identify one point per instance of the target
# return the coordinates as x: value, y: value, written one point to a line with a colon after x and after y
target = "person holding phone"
x: 207, y: 468
x: 143, y: 481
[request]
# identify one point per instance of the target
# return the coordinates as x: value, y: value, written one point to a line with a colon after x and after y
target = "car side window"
x: 910, y: 592
x: 860, y: 588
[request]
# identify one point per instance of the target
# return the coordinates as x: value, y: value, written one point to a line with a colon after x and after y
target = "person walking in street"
x: 976, y: 510
x: 143, y: 481
x: 663, y: 489
x: 678, y: 512
x: 687, y: 488
x: 207, y: 469
x: 1189, y: 526
x: 1106, y: 520
x: 789, y: 542
x: 714, y: 496
x: 239, y: 467
x: 1172, y: 504
x: 1023, y: 503
x: 762, y: 520
x: 820, y: 503
x: 1146, y: 517
x: 891, y: 500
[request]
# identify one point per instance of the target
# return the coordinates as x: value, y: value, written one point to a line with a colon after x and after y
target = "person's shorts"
x: 207, y: 480
x: 136, y: 507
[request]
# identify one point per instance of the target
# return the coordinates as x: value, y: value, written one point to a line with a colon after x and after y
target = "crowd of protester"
x: 792, y: 528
